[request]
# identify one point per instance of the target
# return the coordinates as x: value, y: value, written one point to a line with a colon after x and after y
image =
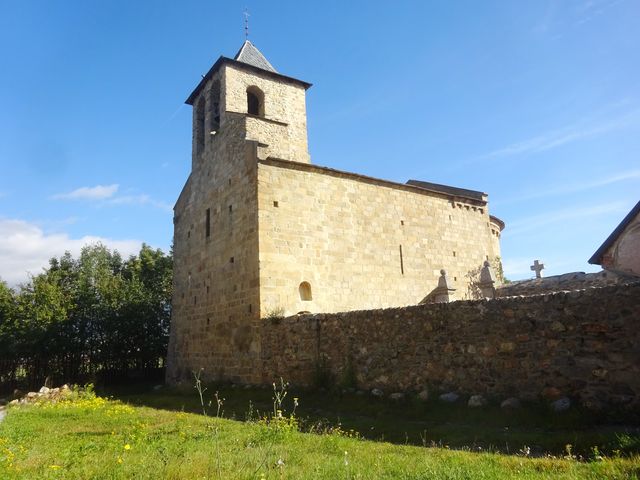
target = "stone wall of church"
x: 284, y: 125
x: 624, y: 254
x: 215, y: 319
x: 360, y: 242
x: 583, y: 344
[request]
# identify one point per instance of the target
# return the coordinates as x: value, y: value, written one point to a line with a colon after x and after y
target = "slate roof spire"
x: 250, y: 55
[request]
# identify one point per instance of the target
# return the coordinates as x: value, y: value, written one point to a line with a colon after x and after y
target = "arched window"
x: 305, y: 292
x: 255, y: 101
x: 199, y: 126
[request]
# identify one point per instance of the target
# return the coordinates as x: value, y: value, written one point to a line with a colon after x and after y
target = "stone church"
x: 261, y: 232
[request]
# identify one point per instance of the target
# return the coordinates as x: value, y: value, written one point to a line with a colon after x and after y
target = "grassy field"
x: 415, y: 422
x: 91, y: 437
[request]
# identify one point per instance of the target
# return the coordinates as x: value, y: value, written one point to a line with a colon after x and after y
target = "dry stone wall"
x: 584, y: 344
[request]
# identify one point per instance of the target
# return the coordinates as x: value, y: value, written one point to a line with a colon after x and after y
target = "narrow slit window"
x: 207, y: 223
x: 199, y: 126
x: 401, y: 261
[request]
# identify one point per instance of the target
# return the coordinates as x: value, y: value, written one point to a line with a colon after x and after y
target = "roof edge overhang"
x: 457, y: 191
x: 596, y: 258
x: 280, y: 162
x: 243, y: 66
x: 500, y: 223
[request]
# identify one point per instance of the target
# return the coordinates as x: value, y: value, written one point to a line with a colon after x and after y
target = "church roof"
x: 248, y: 58
x: 456, y: 191
x: 596, y: 258
x: 250, y: 55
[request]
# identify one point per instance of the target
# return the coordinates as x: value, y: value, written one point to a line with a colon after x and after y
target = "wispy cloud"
x: 590, y: 9
x: 566, y: 189
x: 559, y: 137
x: 107, y: 195
x: 537, y: 222
x: 141, y: 199
x: 25, y: 248
x: 549, y: 15
x: 99, y: 192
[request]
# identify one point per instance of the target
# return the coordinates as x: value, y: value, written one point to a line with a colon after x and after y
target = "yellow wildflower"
x: 127, y: 447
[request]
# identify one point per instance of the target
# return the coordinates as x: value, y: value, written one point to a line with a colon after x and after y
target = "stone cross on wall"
x: 537, y: 267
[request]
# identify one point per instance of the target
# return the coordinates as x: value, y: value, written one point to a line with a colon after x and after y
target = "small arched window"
x: 255, y: 101
x: 305, y: 292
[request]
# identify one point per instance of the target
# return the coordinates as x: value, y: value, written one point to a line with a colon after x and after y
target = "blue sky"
x: 536, y: 103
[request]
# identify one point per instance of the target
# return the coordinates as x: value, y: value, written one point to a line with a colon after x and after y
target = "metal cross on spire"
x: 246, y: 24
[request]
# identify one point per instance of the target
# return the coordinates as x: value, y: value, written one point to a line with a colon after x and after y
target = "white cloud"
x: 575, y: 187
x: 25, y: 248
x: 106, y: 195
x: 141, y: 199
x: 557, y: 138
x: 566, y: 215
x: 99, y: 192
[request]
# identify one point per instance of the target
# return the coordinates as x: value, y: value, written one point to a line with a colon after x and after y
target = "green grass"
x: 429, y: 423
x: 96, y: 438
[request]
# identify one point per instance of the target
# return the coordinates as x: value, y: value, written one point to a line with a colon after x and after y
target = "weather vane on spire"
x: 246, y: 24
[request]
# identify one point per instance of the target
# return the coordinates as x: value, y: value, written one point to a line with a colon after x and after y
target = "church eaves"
x: 250, y: 55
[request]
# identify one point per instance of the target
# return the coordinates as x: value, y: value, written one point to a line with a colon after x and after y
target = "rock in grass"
x: 44, y: 390
x: 376, y: 392
x: 561, y: 405
x: 398, y: 396
x: 477, y: 401
x: 424, y: 395
x: 450, y: 397
x: 511, y: 403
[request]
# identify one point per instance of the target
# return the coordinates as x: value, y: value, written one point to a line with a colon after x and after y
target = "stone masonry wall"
x: 585, y: 344
x: 359, y: 242
x: 284, y: 125
x: 215, y: 321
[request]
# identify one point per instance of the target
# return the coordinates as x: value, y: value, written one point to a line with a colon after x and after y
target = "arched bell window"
x: 255, y: 102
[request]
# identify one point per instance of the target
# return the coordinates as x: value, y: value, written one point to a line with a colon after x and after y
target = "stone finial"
x: 487, y: 281
x: 443, y: 281
x: 444, y: 291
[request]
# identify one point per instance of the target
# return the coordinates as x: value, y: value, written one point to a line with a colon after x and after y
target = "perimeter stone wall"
x: 585, y: 344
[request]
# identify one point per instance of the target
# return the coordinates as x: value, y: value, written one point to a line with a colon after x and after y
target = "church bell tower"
x: 243, y: 111
x: 249, y: 93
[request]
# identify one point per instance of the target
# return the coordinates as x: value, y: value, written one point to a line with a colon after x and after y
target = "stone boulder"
x: 476, y: 401
x: 511, y: 403
x: 397, y: 397
x: 561, y: 405
x: 424, y: 395
x: 450, y: 397
x: 376, y: 392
